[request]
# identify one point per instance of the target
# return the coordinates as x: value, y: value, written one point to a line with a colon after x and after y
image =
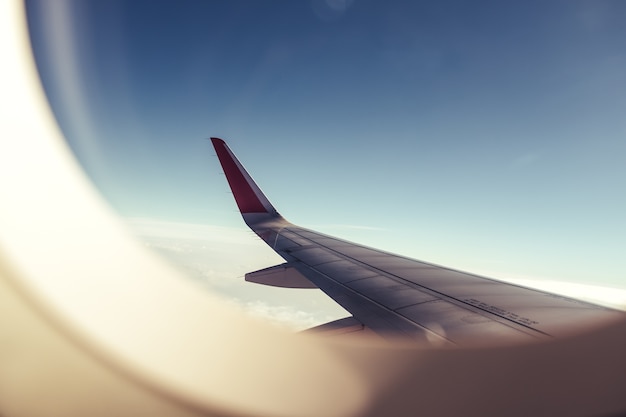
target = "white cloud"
x: 606, y: 296
x: 285, y: 315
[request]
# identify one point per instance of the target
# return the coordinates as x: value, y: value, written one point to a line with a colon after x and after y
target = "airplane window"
x: 485, y: 139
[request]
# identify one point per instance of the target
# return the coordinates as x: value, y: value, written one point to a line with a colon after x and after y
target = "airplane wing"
x: 394, y: 295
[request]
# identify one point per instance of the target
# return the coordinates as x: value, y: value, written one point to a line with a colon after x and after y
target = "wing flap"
x: 283, y: 275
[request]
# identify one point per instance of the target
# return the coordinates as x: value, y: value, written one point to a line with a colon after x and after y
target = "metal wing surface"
x: 394, y: 295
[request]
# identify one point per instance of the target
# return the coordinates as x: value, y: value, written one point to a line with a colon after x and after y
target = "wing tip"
x: 249, y: 198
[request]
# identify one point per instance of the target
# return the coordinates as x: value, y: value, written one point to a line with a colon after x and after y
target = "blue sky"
x: 485, y: 135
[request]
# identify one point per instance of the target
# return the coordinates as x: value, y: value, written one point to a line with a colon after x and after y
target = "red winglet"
x: 239, y: 180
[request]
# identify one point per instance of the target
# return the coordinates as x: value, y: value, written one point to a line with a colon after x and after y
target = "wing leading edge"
x: 394, y: 295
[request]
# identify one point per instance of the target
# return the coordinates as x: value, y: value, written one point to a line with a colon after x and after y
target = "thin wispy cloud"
x: 154, y: 228
x: 606, y: 296
x: 337, y: 226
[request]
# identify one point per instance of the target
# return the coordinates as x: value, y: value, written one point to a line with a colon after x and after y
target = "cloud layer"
x: 217, y: 258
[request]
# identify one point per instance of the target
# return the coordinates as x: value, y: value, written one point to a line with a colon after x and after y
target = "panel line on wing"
x: 409, y: 328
